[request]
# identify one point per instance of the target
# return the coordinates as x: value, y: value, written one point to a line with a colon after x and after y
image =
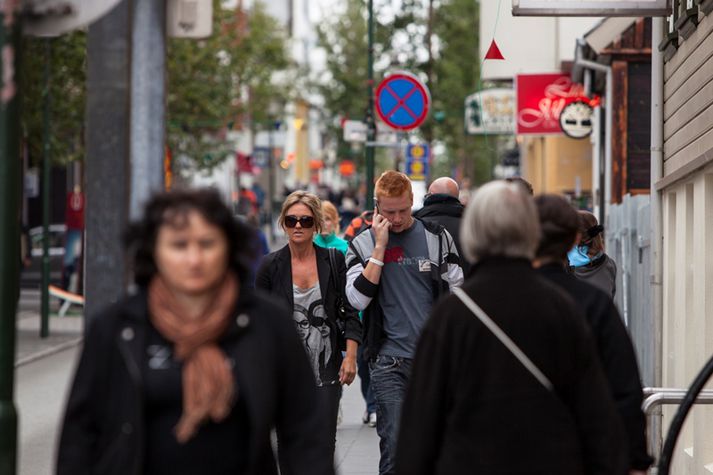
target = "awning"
x: 607, y: 31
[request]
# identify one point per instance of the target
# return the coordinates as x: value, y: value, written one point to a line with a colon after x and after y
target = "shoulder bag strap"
x: 333, y: 266
x: 504, y: 338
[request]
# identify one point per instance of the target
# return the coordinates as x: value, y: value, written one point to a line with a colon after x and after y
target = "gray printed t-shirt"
x: 315, y: 333
x: 406, y: 292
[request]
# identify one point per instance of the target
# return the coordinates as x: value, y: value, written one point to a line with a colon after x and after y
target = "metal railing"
x: 654, y: 399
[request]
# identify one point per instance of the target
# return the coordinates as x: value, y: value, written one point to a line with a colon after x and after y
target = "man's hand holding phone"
x: 381, y: 227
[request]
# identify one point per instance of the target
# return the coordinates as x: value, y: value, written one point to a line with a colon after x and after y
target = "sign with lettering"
x: 540, y: 101
x: 491, y: 111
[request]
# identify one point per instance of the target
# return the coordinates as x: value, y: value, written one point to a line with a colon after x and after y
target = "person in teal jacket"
x: 328, y: 237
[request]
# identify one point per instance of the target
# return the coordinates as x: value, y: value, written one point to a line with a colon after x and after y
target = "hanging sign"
x: 576, y: 120
x: 402, y: 101
x: 491, y: 111
x: 598, y: 8
x: 540, y: 101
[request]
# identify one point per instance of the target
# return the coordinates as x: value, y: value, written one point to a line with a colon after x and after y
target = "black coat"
x: 103, y: 431
x: 275, y: 277
x: 472, y: 407
x: 616, y: 354
x: 447, y: 211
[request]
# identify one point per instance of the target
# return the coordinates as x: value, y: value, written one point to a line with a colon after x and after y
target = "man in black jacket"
x: 559, y: 222
x: 443, y: 207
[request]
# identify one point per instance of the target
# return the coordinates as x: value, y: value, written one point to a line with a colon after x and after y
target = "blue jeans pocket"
x: 384, y: 363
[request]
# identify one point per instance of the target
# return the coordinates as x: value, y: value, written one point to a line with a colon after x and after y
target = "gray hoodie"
x: 601, y: 273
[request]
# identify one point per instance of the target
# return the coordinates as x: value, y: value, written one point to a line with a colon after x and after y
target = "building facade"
x: 687, y: 195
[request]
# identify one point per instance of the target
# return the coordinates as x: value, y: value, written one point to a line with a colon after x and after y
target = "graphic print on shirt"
x: 159, y: 356
x: 312, y: 327
x: 394, y: 255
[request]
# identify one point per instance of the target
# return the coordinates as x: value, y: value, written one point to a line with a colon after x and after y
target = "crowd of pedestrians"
x: 485, y: 338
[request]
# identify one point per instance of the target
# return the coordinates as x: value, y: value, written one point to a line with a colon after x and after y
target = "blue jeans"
x: 389, y: 381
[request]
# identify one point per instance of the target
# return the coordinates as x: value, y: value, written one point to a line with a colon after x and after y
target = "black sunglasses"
x: 305, y: 221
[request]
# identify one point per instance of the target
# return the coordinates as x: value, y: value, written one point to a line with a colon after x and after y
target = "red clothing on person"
x: 75, y: 210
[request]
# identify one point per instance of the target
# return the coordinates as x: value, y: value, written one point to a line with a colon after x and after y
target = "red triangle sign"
x: 494, y: 52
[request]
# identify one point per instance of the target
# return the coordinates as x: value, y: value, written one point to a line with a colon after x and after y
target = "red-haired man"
x: 396, y: 271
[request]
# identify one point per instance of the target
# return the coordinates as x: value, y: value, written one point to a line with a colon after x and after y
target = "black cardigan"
x: 616, y: 354
x: 275, y: 277
x: 103, y: 431
x: 472, y: 407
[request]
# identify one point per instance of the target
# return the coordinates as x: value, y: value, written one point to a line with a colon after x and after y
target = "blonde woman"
x: 300, y: 276
x: 328, y: 237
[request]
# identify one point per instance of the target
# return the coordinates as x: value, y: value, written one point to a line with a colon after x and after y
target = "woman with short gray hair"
x: 506, y: 378
x: 501, y: 222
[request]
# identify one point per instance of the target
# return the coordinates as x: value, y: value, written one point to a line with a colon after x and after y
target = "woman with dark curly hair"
x: 190, y: 374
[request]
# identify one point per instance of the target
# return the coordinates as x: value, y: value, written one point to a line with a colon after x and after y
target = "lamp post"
x: 45, y: 300
x: 370, y: 121
x: 9, y: 228
x: 274, y: 126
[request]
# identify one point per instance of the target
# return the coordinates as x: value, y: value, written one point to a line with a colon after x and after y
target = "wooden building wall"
x: 631, y: 68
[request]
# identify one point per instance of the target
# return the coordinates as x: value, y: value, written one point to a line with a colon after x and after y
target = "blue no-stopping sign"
x: 402, y: 101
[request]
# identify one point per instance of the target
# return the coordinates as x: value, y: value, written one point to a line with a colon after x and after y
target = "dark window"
x: 638, y: 142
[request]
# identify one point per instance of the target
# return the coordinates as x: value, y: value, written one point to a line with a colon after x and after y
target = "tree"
x: 401, y: 42
x: 225, y: 81
x: 456, y: 75
x: 67, y: 96
x: 343, y: 84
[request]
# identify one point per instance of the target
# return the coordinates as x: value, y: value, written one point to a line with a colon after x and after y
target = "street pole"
x: 271, y: 184
x: 428, y: 131
x: 370, y: 121
x: 9, y: 228
x: 148, y: 102
x: 107, y: 171
x: 46, y: 98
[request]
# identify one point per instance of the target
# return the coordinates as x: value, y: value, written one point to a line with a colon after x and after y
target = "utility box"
x: 189, y: 18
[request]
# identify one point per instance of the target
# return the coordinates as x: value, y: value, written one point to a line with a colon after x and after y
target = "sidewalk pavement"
x: 64, y: 332
x: 357, y: 443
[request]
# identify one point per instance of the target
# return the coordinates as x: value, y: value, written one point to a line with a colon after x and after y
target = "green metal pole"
x: 370, y: 120
x: 9, y: 229
x: 45, y: 309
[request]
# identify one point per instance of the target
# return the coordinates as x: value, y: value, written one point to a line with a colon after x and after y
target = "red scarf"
x: 208, y: 384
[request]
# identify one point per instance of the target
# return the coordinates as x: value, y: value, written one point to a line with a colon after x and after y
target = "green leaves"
x: 67, y: 96
x: 401, y: 43
x: 218, y: 83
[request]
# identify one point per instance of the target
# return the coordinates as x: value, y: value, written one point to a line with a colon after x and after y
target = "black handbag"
x: 341, y: 316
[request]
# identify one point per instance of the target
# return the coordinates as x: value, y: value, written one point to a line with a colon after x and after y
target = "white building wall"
x: 529, y: 44
x: 688, y: 310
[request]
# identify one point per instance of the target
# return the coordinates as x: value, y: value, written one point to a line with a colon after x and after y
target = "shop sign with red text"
x: 540, y: 100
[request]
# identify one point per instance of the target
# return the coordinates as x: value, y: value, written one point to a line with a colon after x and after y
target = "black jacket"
x: 472, y: 407
x: 103, y: 431
x: 448, y: 212
x: 275, y: 277
x: 616, y: 354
